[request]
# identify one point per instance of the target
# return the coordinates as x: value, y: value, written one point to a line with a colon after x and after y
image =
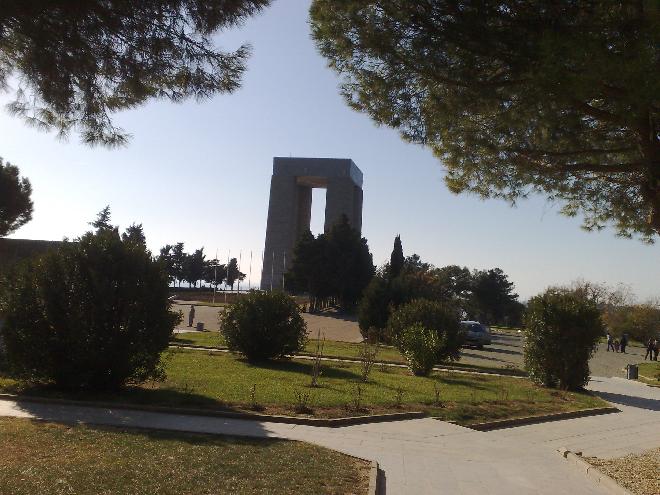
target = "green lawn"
x: 649, y: 372
x: 221, y: 380
x: 332, y: 349
x: 48, y: 458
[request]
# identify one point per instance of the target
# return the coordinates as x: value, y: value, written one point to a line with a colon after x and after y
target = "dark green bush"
x: 373, y: 310
x: 443, y: 318
x: 264, y: 325
x: 92, y: 315
x: 420, y: 347
x: 562, y: 329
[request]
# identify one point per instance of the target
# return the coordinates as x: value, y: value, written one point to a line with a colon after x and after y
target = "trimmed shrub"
x: 93, y: 315
x: 420, y: 346
x: 264, y: 325
x: 562, y: 330
x: 442, y: 318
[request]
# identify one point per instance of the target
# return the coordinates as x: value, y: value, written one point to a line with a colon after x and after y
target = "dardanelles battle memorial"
x: 290, y: 206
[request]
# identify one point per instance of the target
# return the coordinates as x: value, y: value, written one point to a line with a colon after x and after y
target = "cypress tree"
x: 396, y: 259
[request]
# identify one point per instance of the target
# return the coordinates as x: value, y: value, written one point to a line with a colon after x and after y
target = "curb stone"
x: 319, y: 422
x: 593, y: 472
x: 530, y: 420
x: 373, y: 479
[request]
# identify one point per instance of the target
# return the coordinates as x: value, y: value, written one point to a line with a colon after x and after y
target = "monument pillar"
x: 290, y: 206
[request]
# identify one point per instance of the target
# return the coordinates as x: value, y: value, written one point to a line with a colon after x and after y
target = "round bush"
x: 92, y: 315
x: 420, y: 346
x: 442, y: 318
x: 562, y: 331
x: 264, y: 325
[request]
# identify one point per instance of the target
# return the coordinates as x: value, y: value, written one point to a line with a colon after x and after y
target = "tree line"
x: 194, y: 269
x: 484, y: 295
x: 335, y: 266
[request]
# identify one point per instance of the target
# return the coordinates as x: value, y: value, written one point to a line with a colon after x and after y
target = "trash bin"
x: 200, y: 326
x: 632, y: 372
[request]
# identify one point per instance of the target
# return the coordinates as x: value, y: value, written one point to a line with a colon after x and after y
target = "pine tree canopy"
x: 15, y: 203
x: 76, y: 62
x: 515, y: 96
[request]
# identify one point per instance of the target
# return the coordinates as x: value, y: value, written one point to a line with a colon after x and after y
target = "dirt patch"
x: 637, y: 473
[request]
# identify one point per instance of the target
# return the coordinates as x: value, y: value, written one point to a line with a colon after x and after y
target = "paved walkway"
x: 333, y: 325
x: 429, y: 456
x: 635, y: 429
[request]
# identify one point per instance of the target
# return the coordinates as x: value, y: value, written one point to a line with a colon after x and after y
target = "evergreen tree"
x: 303, y: 276
x: 89, y: 59
x: 102, y: 221
x: 350, y: 263
x: 193, y: 267
x: 396, y: 259
x: 214, y: 273
x: 15, y: 203
x: 233, y: 273
x: 178, y: 258
x: 167, y: 261
x: 492, y: 295
x: 135, y: 234
x: 337, y: 264
x: 514, y: 97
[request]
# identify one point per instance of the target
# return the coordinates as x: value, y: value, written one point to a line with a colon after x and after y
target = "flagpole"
x: 227, y: 278
x: 250, y: 275
x: 215, y: 274
x: 240, y: 260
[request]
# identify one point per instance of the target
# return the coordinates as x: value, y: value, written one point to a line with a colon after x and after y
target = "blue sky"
x: 199, y: 173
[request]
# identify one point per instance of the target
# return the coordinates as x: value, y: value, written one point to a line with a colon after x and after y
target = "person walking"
x: 650, y: 345
x: 191, y: 315
x: 655, y: 349
x: 624, y: 342
x: 616, y: 345
x: 610, y: 342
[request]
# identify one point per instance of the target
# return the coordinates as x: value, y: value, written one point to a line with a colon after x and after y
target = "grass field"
x: 649, y: 372
x: 332, y: 349
x: 221, y: 380
x: 48, y: 458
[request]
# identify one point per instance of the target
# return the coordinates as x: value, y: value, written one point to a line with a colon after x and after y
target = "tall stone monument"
x: 290, y: 206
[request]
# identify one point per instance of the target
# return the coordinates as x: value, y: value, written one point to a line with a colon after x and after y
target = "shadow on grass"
x: 129, y: 395
x: 486, y: 358
x: 472, y: 383
x: 329, y: 370
x: 217, y: 342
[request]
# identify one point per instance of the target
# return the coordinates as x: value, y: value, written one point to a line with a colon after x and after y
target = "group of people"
x: 619, y: 345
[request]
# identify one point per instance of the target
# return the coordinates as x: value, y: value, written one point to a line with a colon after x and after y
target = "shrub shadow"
x: 329, y: 371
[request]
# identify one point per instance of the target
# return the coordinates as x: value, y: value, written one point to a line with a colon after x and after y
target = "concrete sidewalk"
x: 430, y: 456
x: 634, y: 430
